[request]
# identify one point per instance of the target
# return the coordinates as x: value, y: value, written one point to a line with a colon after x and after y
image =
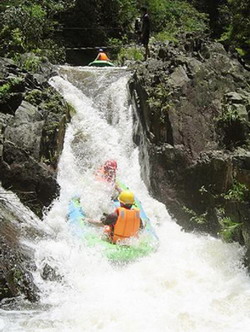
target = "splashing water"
x: 192, y: 283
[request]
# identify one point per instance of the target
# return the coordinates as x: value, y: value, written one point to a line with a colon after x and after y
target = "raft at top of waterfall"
x: 125, y: 234
x: 101, y: 60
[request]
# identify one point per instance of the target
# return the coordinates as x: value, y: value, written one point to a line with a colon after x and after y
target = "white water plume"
x: 192, y: 283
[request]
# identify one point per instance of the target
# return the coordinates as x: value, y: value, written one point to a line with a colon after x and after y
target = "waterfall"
x: 192, y: 283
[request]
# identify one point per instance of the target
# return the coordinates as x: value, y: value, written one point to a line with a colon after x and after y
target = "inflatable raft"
x: 147, y: 241
x: 101, y: 63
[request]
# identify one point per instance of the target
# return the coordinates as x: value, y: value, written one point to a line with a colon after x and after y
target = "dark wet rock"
x: 192, y: 128
x: 50, y: 273
x: 33, y: 118
x: 33, y: 181
x: 16, y: 259
x: 11, y: 103
x: 32, y: 128
x: 26, y: 129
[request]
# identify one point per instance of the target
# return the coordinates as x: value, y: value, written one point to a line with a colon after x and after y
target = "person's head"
x: 126, y: 198
x: 110, y: 165
x: 144, y: 10
x: 100, y: 50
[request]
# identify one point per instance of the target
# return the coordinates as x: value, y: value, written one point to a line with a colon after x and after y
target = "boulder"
x: 16, y: 259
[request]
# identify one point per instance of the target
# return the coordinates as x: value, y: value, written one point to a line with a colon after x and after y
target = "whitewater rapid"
x: 192, y: 283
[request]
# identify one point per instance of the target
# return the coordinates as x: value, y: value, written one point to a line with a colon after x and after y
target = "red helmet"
x: 110, y: 164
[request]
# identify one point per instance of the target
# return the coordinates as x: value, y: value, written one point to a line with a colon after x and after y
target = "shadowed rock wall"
x: 193, y: 104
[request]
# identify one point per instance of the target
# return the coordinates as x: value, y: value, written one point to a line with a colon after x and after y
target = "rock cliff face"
x: 17, y: 259
x: 32, y: 126
x: 33, y: 119
x: 193, y: 102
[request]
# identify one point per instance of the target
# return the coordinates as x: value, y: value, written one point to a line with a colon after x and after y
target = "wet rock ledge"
x: 16, y: 258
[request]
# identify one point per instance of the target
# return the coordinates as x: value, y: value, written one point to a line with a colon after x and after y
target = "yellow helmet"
x: 127, y: 197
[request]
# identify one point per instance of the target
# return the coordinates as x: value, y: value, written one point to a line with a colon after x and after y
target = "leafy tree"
x: 93, y: 22
x: 229, y: 21
x: 238, y: 31
x: 44, y: 26
x: 172, y: 16
x: 213, y: 9
x: 28, y: 26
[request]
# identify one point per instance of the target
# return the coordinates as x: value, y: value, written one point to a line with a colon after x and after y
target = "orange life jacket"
x: 102, y: 56
x: 127, y: 224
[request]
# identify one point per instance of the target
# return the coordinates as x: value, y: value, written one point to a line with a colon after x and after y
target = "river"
x: 192, y: 283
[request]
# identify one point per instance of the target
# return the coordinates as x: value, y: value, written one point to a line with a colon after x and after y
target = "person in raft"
x: 102, y: 56
x: 107, y: 173
x: 125, y: 221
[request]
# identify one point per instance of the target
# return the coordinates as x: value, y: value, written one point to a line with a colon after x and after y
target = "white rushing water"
x: 192, y: 283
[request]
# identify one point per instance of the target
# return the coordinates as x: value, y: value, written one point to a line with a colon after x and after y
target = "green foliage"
x: 163, y: 36
x: 14, y: 81
x: 217, y: 11
x: 175, y: 16
x: 228, y: 228
x: 158, y: 101
x: 130, y: 53
x: 123, y: 53
x: 155, y: 103
x: 116, y: 46
x: 119, y: 14
x: 8, y: 87
x: 239, y: 29
x: 229, y: 115
x: 34, y: 97
x: 116, y: 19
x: 30, y: 62
x: 199, y: 219
x: 26, y: 26
x: 230, y: 22
x: 4, y: 90
x: 232, y: 126
x: 117, y: 42
x: 71, y: 109
x: 101, y: 20
x: 48, y: 98
x: 240, y: 51
x: 238, y: 192
x: 52, y: 50
x: 33, y: 26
